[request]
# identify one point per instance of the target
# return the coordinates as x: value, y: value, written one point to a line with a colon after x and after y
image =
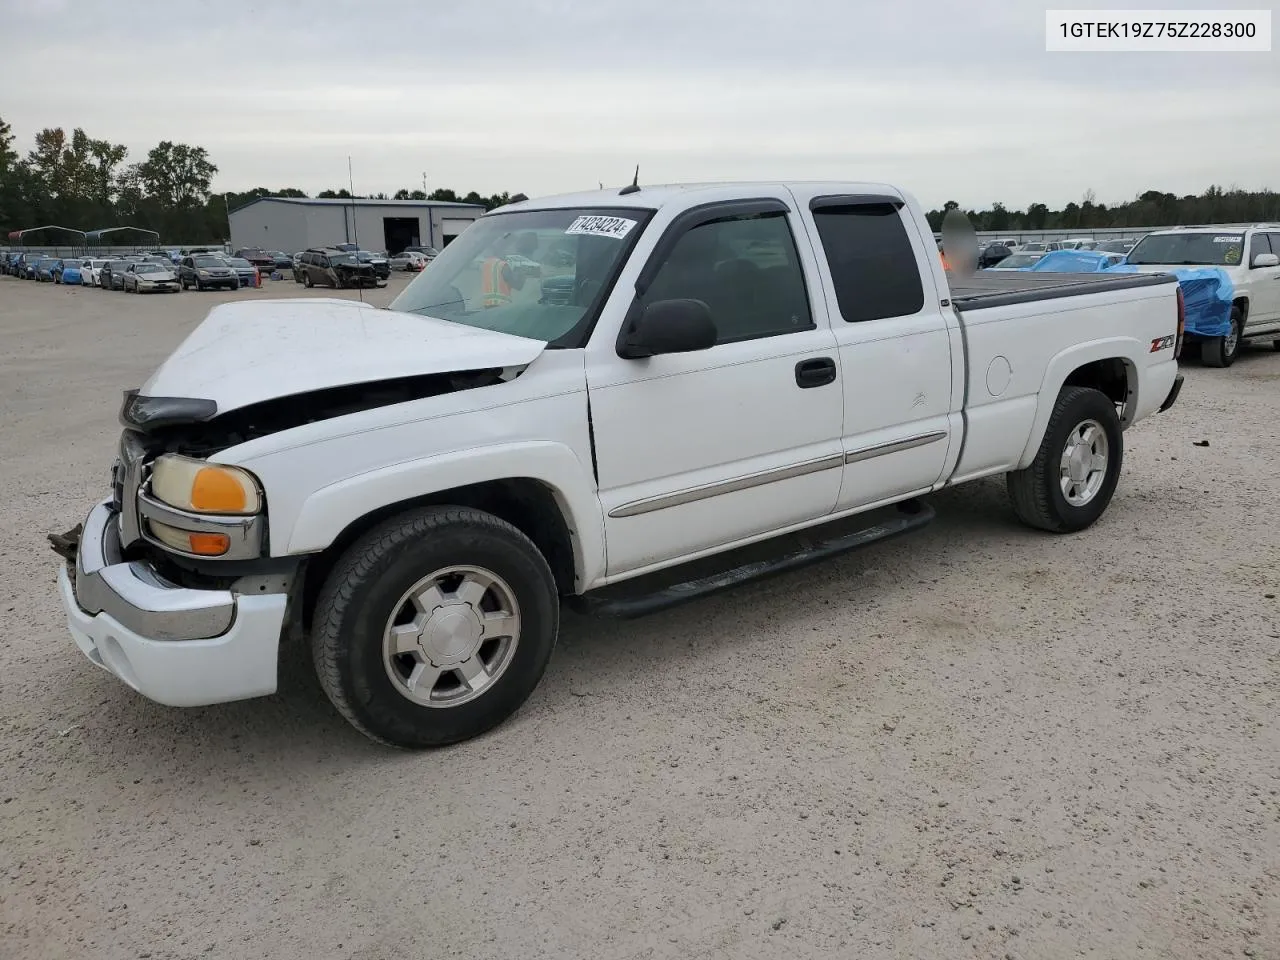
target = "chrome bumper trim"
x: 245, y: 533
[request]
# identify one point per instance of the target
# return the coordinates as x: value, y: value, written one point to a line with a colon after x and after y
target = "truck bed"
x: 1000, y: 288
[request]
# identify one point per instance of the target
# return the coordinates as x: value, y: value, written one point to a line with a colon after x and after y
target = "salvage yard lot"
x: 976, y: 741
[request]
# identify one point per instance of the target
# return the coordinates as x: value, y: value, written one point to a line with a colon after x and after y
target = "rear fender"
x: 1061, y: 367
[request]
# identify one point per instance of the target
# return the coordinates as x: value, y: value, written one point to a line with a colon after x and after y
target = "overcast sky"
x: 950, y: 100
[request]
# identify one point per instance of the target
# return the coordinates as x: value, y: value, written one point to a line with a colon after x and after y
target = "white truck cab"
x: 619, y: 399
x: 1250, y: 257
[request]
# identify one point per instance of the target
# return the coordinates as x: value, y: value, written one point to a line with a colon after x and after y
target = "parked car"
x: 17, y: 264
x: 334, y: 268
x: 207, y: 271
x: 1018, y: 261
x: 44, y: 269
x: 408, y: 260
x: 281, y: 261
x: 1031, y: 246
x: 1116, y: 246
x: 245, y: 271
x: 111, y: 277
x: 67, y: 270
x: 381, y: 265
x: 29, y: 266
x: 429, y: 252
x: 1250, y: 259
x: 992, y: 254
x: 91, y: 271
x: 258, y: 257
x: 147, y: 277
x: 425, y: 485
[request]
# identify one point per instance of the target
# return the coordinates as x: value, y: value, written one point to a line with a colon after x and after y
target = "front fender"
x: 1063, y: 364
x: 331, y: 509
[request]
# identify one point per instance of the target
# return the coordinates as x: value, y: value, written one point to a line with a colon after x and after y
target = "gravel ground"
x: 977, y: 741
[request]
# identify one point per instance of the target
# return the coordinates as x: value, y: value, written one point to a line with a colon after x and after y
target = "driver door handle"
x: 817, y: 372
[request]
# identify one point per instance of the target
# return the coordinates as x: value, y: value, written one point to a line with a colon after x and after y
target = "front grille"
x: 129, y: 469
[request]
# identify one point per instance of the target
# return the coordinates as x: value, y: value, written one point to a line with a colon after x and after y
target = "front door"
x: 1264, y: 284
x: 699, y: 450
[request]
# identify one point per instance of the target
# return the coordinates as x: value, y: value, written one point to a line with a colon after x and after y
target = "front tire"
x: 307, y: 281
x: 1222, y: 351
x: 435, y: 626
x: 1073, y: 477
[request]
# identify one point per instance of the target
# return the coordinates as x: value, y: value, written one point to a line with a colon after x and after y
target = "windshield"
x: 1189, y: 249
x: 149, y: 268
x: 70, y: 264
x: 240, y: 263
x: 505, y: 272
x: 207, y: 262
x: 1112, y: 246
x: 336, y: 258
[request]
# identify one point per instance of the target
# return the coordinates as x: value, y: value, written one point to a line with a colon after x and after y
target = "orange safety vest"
x: 494, y: 289
x: 945, y: 263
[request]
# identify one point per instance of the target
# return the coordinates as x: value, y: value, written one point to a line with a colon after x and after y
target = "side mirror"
x: 1266, y: 260
x: 668, y: 326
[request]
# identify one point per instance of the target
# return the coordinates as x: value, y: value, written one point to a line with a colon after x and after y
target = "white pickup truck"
x: 1250, y: 257
x: 692, y: 386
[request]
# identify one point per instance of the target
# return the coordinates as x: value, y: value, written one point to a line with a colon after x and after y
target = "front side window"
x: 1259, y: 244
x: 746, y: 270
x: 500, y: 275
x: 873, y: 266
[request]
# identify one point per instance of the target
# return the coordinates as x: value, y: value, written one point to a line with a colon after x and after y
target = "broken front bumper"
x: 176, y: 645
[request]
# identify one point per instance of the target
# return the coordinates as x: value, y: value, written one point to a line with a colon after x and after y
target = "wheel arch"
x: 539, y: 488
x: 1110, y: 366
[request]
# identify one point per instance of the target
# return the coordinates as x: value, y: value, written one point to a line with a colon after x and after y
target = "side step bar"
x: 625, y: 601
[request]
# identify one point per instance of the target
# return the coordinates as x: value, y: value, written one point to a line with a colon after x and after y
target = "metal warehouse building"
x: 293, y: 224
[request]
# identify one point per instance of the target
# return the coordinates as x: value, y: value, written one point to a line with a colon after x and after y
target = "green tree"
x: 177, y: 175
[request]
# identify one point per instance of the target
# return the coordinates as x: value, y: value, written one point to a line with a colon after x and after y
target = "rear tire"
x: 1067, y: 487
x: 1222, y: 351
x: 368, y: 592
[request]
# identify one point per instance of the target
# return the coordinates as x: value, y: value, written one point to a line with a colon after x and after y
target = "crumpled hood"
x: 250, y: 351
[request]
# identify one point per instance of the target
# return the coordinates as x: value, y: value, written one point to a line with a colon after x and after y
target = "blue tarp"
x: 1207, y: 293
x: 1071, y: 261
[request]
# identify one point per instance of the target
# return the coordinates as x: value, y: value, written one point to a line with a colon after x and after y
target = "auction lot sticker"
x: 616, y: 227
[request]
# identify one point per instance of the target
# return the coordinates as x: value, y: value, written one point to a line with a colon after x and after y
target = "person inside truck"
x: 498, y: 279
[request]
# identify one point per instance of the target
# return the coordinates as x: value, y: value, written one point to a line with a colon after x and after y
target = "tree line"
x: 1149, y: 209
x: 80, y: 182
x: 84, y: 183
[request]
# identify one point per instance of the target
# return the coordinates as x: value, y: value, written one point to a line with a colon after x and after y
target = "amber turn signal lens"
x: 216, y: 491
x: 209, y: 544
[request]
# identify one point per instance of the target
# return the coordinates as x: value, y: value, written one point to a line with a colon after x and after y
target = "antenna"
x: 351, y: 189
x: 634, y: 186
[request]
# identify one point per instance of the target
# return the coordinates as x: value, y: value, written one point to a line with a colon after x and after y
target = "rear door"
x: 695, y: 451
x: 900, y: 350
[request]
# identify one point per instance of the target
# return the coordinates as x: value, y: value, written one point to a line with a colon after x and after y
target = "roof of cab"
x: 655, y: 196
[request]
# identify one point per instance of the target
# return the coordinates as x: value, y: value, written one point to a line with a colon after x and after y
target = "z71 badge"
x: 1163, y: 343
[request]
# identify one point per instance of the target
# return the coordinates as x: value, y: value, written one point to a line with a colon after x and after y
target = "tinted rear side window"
x: 871, y: 260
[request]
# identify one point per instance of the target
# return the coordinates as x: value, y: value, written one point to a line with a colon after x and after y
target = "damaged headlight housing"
x: 204, y: 487
x: 199, y: 487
